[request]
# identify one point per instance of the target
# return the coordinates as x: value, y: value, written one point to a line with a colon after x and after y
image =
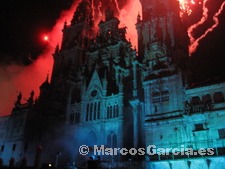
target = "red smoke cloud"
x: 15, y: 79
x: 128, y: 18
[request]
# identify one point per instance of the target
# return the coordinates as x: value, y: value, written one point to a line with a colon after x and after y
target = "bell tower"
x: 160, y: 37
x: 70, y: 59
x: 157, y: 27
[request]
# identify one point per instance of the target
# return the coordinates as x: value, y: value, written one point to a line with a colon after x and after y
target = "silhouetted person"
x: 1, y: 163
x: 23, y: 163
x: 11, y: 163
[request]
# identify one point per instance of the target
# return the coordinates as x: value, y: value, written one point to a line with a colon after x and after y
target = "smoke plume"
x: 17, y: 78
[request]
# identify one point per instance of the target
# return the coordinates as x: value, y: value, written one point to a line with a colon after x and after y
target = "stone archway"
x: 91, y: 138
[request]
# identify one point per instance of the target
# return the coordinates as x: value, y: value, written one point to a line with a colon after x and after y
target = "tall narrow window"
x: 87, y: 112
x: 117, y: 111
x: 2, y: 148
x: 155, y: 108
x: 109, y: 141
x: 25, y: 146
x: 98, y: 112
x: 95, y: 110
x: 107, y: 112
x: 71, y: 118
x: 77, y: 117
x: 91, y: 112
x: 110, y: 112
x: 14, y: 147
x: 114, y: 111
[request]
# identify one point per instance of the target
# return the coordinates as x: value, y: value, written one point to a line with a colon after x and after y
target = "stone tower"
x: 69, y: 60
x: 159, y: 40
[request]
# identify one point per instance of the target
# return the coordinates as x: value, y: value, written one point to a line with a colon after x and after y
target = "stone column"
x: 135, y: 104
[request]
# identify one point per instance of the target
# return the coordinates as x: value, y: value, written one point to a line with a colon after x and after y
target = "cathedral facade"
x: 103, y: 92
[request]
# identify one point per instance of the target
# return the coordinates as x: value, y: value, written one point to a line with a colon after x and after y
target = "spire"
x: 57, y: 49
x: 138, y: 18
x: 84, y: 86
x: 31, y: 98
x: 104, y: 80
x: 47, y: 78
x: 65, y: 25
x: 45, y: 84
x: 18, y: 101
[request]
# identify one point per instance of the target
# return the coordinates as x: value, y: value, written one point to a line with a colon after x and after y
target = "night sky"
x: 25, y: 58
x: 209, y: 60
x: 24, y: 22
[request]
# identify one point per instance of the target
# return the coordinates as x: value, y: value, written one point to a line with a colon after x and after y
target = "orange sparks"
x: 194, y: 26
x: 185, y: 6
x: 195, y: 42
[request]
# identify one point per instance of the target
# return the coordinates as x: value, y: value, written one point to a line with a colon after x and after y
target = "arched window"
x: 107, y: 112
x: 117, y: 111
x: 195, y: 100
x: 110, y: 112
x: 206, y: 99
x: 71, y: 118
x: 77, y: 117
x: 218, y: 97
